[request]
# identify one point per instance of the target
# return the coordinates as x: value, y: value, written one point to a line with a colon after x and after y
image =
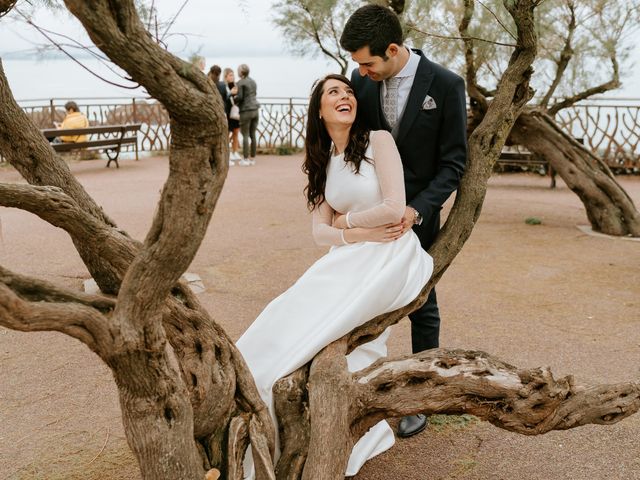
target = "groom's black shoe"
x: 411, y: 425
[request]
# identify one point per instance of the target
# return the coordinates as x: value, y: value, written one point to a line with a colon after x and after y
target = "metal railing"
x: 282, y: 119
x: 609, y: 127
x: 154, y: 133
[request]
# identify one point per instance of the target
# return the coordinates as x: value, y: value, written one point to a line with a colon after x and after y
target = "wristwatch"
x: 417, y: 219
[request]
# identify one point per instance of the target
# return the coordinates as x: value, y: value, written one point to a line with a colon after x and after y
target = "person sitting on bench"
x: 74, y: 119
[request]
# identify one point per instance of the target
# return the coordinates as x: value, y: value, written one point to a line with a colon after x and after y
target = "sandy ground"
x: 532, y: 295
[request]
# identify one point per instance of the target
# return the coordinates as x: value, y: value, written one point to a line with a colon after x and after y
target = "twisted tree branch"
x: 6, y: 6
x: 292, y: 409
x: 193, y: 186
x: 602, y: 88
x: 76, y: 320
x: 18, y: 134
x: 477, y: 95
x: 565, y: 56
x: 529, y: 402
x: 36, y: 290
x: 315, y: 34
x: 107, y: 251
x: 451, y: 37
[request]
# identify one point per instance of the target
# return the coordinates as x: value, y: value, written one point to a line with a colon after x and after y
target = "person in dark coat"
x: 246, y: 98
x: 423, y: 105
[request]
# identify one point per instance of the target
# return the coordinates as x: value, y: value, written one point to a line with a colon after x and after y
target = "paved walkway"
x: 532, y: 295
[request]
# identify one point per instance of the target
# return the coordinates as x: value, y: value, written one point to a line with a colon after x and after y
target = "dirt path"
x: 532, y: 295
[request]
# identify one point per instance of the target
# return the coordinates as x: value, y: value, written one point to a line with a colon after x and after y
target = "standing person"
x: 246, y: 98
x: 214, y: 77
x: 234, y: 123
x: 198, y: 62
x: 423, y: 105
x: 371, y: 269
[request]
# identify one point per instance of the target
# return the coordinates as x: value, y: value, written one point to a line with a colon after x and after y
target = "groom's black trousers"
x: 425, y: 322
x: 425, y: 325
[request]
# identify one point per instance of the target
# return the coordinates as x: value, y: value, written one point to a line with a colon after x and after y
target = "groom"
x: 423, y: 105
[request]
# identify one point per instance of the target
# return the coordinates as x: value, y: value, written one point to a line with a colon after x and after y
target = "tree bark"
x: 6, y: 6
x: 156, y: 412
x: 330, y: 401
x: 291, y: 399
x: 529, y: 402
x: 609, y: 208
x: 188, y: 401
x: 198, y: 381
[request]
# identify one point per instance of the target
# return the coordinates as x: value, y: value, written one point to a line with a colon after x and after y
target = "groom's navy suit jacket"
x: 431, y: 137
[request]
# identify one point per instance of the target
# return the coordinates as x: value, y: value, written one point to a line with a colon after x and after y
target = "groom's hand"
x: 408, y: 219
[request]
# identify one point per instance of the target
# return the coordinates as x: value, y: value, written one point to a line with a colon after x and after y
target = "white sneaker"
x: 231, y: 163
x: 245, y: 162
x: 235, y: 156
x: 252, y: 161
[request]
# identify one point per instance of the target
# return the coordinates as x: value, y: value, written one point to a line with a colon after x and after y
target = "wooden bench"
x: 525, y: 159
x: 119, y: 135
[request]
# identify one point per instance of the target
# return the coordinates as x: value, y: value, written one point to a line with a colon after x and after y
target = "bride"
x: 355, y: 177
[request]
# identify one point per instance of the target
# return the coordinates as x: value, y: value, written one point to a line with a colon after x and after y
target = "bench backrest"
x: 54, y: 132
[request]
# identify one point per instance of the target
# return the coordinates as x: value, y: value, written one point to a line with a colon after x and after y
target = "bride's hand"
x: 384, y: 234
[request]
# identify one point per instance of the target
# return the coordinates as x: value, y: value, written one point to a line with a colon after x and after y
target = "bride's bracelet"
x: 344, y: 241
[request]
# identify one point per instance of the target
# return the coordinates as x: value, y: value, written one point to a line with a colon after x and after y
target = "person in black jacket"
x: 214, y: 77
x: 423, y: 105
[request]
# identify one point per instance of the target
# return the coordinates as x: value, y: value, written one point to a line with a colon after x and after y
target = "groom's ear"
x: 392, y: 50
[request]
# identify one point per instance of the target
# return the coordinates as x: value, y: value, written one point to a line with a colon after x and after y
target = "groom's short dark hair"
x: 374, y: 26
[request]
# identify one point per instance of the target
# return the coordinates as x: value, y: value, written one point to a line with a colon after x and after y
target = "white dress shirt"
x: 406, y: 76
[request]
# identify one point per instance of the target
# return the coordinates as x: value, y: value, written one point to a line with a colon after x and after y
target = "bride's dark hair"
x: 317, y: 145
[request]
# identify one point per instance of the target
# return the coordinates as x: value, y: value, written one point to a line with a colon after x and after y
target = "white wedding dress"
x: 348, y: 286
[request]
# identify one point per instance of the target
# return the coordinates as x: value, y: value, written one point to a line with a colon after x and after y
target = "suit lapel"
x: 368, y: 95
x: 421, y: 84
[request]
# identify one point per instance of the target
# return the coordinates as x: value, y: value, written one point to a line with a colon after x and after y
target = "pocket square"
x: 429, y: 103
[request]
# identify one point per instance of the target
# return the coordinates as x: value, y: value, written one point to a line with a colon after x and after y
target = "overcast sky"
x: 217, y: 29
x: 214, y: 27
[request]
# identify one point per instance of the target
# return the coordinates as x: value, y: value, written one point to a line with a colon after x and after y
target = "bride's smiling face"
x: 338, y: 104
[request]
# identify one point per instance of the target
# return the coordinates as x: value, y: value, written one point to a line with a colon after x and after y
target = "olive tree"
x: 576, y: 39
x: 189, y: 404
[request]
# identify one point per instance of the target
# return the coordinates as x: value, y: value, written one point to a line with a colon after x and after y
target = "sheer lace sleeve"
x: 323, y: 232
x: 386, y: 160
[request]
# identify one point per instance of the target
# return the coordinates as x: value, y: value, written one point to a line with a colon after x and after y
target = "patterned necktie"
x: 390, y: 101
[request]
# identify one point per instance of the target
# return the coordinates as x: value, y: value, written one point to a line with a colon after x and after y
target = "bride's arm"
x: 323, y: 232
x: 386, y: 160
x: 326, y: 234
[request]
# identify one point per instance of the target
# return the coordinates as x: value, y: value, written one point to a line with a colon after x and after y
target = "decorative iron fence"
x: 610, y: 127
x: 154, y: 133
x: 282, y: 123
x: 282, y: 120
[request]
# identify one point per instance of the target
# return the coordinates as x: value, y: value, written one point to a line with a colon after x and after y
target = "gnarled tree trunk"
x: 609, y: 208
x: 188, y: 400
x: 179, y: 376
